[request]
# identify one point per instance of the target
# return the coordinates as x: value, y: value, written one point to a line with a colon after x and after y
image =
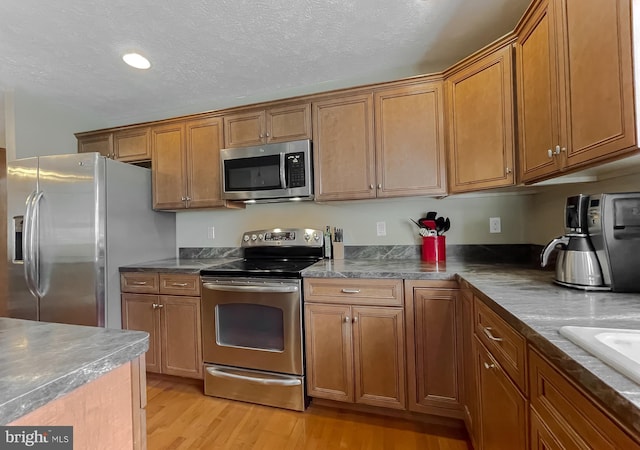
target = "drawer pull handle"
x: 139, y: 283
x: 487, y: 332
x: 489, y: 366
x: 180, y: 284
x: 350, y: 291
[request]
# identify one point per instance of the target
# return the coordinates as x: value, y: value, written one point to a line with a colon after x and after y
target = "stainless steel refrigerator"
x: 73, y: 220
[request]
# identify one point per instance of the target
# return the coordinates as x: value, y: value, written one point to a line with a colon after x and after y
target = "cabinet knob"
x: 557, y: 150
x: 508, y: 170
x: 160, y: 305
x: 261, y: 135
x: 267, y: 134
x: 371, y: 186
x: 347, y: 319
x: 355, y: 320
x: 188, y: 199
x: 379, y: 185
x: 489, y: 366
x: 550, y: 153
x: 155, y: 306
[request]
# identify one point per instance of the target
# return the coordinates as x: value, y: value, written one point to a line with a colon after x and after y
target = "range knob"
x: 307, y: 236
x: 260, y: 236
x: 316, y: 237
x: 245, y: 238
x: 254, y: 237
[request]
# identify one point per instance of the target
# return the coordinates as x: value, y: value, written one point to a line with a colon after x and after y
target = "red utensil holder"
x: 433, y: 248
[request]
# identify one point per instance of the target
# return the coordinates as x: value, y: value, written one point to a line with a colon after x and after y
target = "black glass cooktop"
x: 283, y: 268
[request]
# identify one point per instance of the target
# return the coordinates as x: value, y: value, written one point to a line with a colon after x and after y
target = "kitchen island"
x: 87, y: 377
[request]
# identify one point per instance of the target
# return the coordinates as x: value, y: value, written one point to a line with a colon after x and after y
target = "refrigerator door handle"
x: 29, y: 250
x: 26, y: 243
x: 35, y: 233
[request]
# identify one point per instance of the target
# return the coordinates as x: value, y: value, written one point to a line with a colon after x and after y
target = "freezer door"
x: 70, y: 243
x: 21, y: 186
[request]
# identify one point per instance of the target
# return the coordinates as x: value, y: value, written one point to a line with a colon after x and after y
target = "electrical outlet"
x: 381, y: 228
x: 494, y: 225
x: 211, y: 232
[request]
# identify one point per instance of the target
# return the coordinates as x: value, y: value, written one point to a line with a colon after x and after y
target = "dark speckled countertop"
x: 525, y: 297
x: 175, y: 265
x: 40, y: 362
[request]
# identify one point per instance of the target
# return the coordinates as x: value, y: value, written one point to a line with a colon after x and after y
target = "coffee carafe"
x: 577, y: 264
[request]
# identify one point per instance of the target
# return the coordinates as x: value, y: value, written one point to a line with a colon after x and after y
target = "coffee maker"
x: 577, y: 263
x: 613, y: 223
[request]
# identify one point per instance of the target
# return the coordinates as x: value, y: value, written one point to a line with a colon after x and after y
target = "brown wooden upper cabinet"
x: 402, y: 155
x: 575, y: 85
x: 410, y: 156
x: 100, y: 142
x: 127, y: 145
x: 480, y: 121
x: 277, y: 124
x: 186, y: 164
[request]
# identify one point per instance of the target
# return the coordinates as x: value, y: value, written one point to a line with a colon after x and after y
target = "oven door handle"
x: 261, y: 289
x: 265, y: 381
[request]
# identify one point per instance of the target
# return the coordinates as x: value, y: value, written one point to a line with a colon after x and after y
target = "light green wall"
x: 43, y: 128
x: 469, y: 220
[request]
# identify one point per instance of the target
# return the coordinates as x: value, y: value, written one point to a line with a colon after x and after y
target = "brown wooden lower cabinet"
x: 503, y: 409
x: 469, y: 385
x: 355, y: 354
x: 434, y: 346
x: 172, y: 321
x: 564, y: 417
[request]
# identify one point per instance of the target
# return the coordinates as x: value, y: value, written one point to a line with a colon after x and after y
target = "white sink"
x: 620, y: 348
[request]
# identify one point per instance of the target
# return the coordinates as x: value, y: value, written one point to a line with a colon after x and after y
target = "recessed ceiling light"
x: 136, y: 60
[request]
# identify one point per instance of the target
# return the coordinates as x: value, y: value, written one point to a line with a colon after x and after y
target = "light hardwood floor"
x: 179, y: 416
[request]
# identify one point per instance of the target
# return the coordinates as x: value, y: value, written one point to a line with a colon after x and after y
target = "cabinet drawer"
x: 570, y: 415
x: 354, y: 291
x: 180, y: 284
x: 506, y: 345
x: 139, y: 282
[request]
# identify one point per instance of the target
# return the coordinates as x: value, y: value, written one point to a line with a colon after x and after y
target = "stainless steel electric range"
x: 252, y: 319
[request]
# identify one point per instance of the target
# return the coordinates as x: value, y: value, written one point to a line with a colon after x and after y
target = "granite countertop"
x: 40, y: 361
x: 528, y: 300
x: 176, y: 265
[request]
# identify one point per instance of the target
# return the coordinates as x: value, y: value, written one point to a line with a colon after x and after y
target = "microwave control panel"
x: 294, y: 168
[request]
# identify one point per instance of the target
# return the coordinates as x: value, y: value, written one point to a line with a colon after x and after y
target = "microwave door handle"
x: 283, y: 175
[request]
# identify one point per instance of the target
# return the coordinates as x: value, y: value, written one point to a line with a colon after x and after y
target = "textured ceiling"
x: 213, y: 54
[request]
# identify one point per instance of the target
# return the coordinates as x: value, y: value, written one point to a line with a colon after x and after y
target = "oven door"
x: 253, y: 323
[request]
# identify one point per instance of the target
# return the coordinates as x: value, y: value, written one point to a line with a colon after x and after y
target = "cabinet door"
x: 596, y: 79
x: 168, y: 167
x: 181, y: 336
x: 480, y: 121
x: 503, y: 410
x: 140, y: 312
x: 434, y: 344
x: 538, y: 113
x: 100, y: 143
x: 379, y: 356
x: 410, y: 140
x: 289, y: 123
x: 541, y: 437
x: 469, y: 374
x: 204, y: 141
x: 244, y: 129
x: 343, y: 148
x: 329, y: 352
x: 132, y: 145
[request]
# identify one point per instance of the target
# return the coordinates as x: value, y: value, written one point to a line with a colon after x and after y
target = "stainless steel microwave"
x: 270, y: 172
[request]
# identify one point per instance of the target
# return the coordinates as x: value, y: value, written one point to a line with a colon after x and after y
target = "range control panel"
x: 290, y: 237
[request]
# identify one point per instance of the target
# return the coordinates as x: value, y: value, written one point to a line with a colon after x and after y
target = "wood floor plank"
x: 181, y: 417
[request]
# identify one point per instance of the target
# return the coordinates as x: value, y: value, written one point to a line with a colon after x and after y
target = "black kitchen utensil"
x: 447, y: 225
x: 439, y: 225
x: 419, y: 225
x: 431, y: 215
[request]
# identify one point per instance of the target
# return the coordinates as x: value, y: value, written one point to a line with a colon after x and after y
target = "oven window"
x: 252, y: 174
x: 250, y: 326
